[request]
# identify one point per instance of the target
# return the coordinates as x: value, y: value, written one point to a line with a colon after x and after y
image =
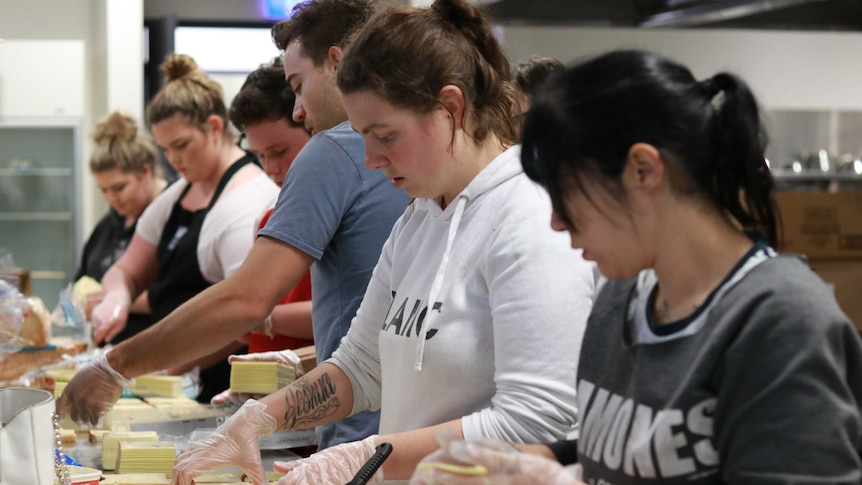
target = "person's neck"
x: 156, y: 188
x: 227, y: 156
x: 157, y: 185
x: 129, y: 221
x: 696, y: 252
x: 473, y: 158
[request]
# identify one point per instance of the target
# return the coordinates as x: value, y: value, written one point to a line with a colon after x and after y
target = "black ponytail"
x: 742, y: 182
x: 709, y: 133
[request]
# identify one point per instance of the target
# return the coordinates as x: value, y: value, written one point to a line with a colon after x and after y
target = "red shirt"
x: 260, y: 342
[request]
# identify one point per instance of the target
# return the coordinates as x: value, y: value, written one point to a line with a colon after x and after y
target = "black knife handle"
x: 372, y: 465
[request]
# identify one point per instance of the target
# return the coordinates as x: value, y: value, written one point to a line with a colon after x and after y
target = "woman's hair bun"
x: 116, y: 127
x: 456, y: 12
x: 178, y: 66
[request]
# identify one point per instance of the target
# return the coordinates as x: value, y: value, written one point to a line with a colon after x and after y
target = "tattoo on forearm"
x: 306, y: 403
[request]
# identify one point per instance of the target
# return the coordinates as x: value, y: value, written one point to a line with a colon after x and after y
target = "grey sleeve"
x: 320, y: 186
x: 790, y: 387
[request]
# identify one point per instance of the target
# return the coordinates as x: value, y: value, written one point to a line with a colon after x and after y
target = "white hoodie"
x: 512, y: 300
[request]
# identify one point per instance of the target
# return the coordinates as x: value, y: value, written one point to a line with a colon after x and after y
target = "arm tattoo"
x: 307, y: 403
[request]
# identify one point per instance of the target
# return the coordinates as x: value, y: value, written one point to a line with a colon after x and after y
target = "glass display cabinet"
x: 40, y: 223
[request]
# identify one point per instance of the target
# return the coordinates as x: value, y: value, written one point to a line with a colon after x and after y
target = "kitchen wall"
x: 213, y: 10
x: 807, y: 82
x: 787, y: 70
x: 112, y: 36
x: 802, y: 78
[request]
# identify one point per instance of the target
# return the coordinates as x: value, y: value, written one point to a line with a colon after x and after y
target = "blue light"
x: 277, y: 9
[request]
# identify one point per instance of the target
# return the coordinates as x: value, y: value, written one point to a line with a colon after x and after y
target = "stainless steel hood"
x: 745, y: 14
x: 717, y: 11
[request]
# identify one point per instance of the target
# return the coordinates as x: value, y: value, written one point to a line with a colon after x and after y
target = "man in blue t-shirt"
x: 332, y: 215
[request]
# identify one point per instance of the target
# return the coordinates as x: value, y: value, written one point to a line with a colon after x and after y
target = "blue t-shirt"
x: 340, y: 213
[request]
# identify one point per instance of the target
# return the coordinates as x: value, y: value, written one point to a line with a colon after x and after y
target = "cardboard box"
x: 846, y: 278
x: 18, y: 278
x: 821, y: 225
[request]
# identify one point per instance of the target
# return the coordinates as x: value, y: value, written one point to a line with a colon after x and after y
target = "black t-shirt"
x: 106, y: 244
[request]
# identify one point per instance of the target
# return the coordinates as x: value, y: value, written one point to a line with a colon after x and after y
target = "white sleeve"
x: 152, y: 222
x: 541, y: 292
x: 225, y: 236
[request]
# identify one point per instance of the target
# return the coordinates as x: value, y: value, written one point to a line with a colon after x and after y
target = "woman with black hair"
x: 708, y: 358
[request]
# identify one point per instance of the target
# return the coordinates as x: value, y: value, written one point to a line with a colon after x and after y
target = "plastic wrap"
x: 13, y: 308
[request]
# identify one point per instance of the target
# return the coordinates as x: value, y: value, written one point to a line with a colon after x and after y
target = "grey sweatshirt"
x: 762, y: 385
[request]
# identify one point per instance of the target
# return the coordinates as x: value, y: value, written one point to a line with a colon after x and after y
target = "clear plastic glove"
x: 91, y: 301
x: 235, y: 443
x: 110, y: 316
x: 92, y: 392
x: 332, y: 466
x: 487, y: 462
x: 286, y: 357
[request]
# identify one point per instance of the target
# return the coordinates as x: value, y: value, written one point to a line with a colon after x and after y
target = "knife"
x: 372, y: 465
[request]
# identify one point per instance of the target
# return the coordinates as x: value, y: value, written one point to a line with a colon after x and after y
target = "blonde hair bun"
x: 178, y: 66
x: 116, y: 127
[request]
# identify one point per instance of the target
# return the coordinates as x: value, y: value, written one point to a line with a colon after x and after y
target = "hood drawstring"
x: 438, y: 281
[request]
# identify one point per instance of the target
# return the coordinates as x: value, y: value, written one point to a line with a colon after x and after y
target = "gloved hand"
x: 110, y: 316
x: 92, y: 392
x: 286, y: 357
x: 235, y: 443
x: 332, y: 466
x: 91, y: 301
x: 498, y: 463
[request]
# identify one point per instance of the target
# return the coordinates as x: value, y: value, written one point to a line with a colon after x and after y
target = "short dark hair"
x: 263, y: 96
x: 322, y: 24
x: 533, y: 72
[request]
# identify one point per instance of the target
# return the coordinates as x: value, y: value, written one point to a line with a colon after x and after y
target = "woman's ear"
x: 146, y: 171
x: 645, y: 169
x: 334, y: 55
x: 216, y: 124
x: 452, y: 99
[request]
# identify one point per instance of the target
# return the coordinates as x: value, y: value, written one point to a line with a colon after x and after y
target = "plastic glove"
x: 235, y: 443
x: 286, y: 357
x: 267, y: 325
x: 110, y: 316
x: 92, y: 392
x: 503, y: 465
x: 91, y: 301
x: 335, y: 466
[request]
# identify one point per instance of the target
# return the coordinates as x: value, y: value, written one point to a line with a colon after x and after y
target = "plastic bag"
x: 13, y: 307
x: 69, y: 320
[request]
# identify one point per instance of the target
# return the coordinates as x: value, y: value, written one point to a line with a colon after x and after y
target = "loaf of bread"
x: 36, y: 329
x: 14, y: 365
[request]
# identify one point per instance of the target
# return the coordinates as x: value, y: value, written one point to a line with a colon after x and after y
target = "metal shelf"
x: 788, y: 176
x: 35, y: 216
x: 37, y: 274
x: 55, y: 171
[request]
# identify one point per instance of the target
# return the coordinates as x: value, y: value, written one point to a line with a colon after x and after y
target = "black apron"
x: 180, y: 276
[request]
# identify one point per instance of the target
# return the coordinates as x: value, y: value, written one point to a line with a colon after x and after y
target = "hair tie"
x: 709, y: 87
